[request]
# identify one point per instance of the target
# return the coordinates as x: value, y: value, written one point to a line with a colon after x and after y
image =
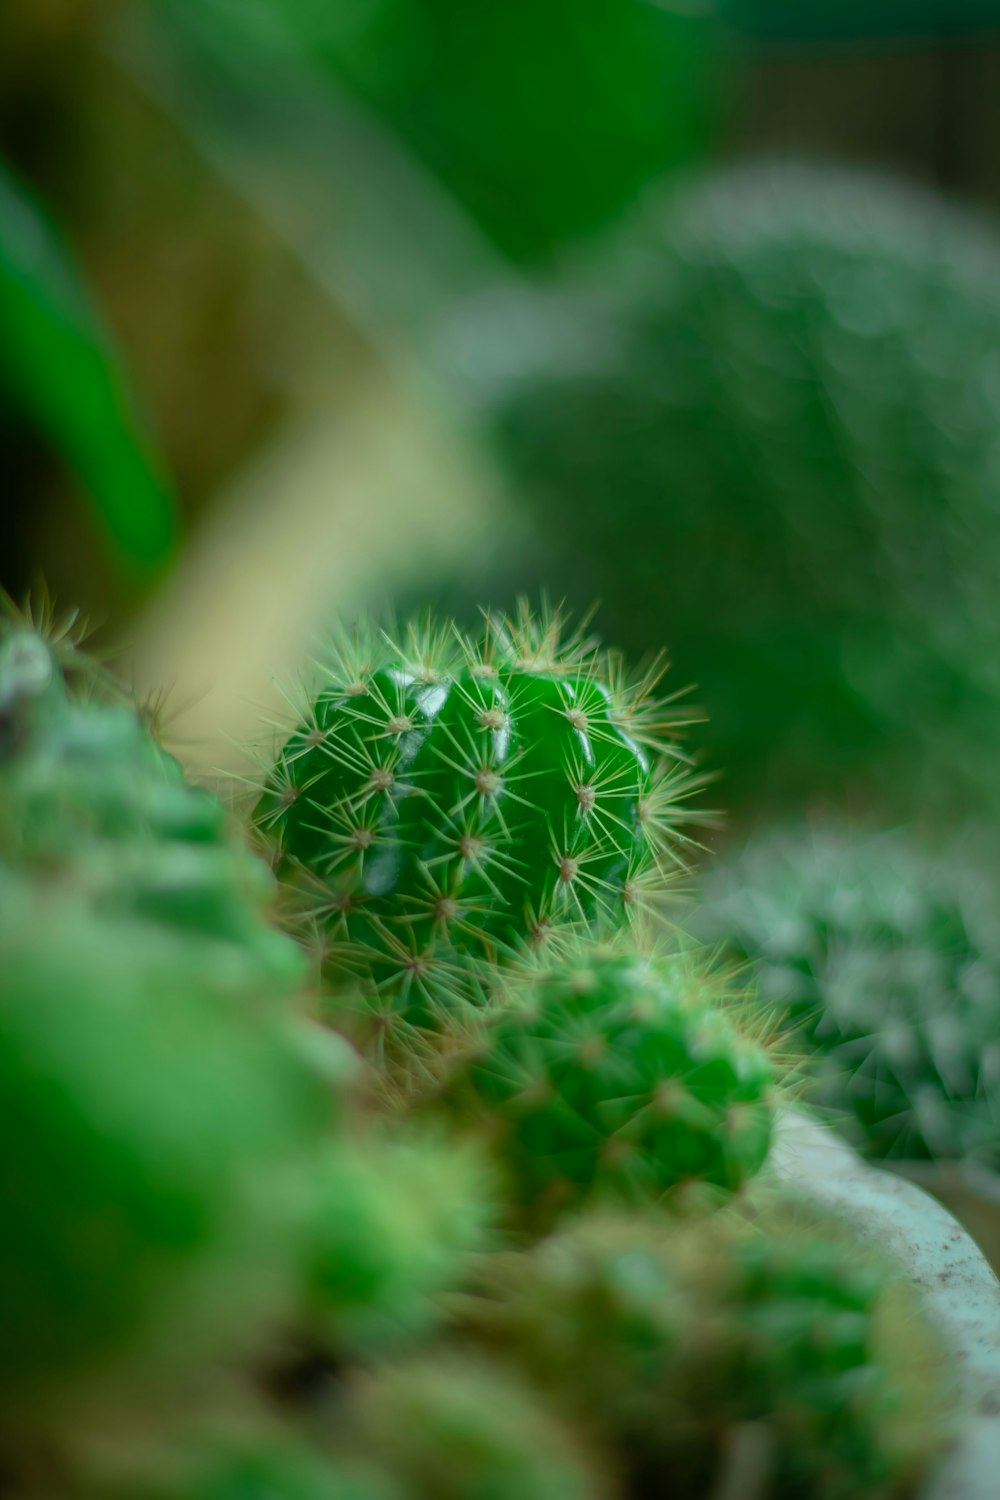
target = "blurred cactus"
x: 606, y: 1073
x: 785, y: 384
x: 395, y: 1226
x: 150, y: 1210
x: 443, y: 799
x: 454, y: 1428
x: 761, y: 1348
x: 89, y: 800
x: 882, y: 962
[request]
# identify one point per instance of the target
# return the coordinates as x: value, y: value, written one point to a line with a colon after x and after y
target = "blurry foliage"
x: 58, y: 367
x: 543, y: 118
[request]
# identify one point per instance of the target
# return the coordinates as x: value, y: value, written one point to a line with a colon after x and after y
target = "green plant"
x: 604, y: 1071
x: 727, y: 1346
x: 881, y: 961
x: 786, y: 374
x: 449, y: 1427
x: 444, y: 799
x: 157, y: 1127
x: 396, y: 1225
x: 90, y: 799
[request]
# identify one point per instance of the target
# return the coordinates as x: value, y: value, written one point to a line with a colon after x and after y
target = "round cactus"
x: 723, y: 1347
x: 395, y: 1225
x: 453, y: 1428
x: 149, y: 1203
x: 786, y: 392
x: 89, y: 799
x: 608, y: 1072
x: 883, y: 963
x: 446, y: 799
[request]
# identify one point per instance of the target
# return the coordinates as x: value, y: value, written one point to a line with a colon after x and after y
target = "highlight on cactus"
x: 443, y: 800
x: 607, y: 1071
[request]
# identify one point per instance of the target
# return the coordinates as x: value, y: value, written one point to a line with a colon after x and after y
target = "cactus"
x: 606, y: 1072
x: 785, y: 386
x: 446, y: 800
x: 88, y: 798
x: 726, y: 1347
x: 454, y: 1428
x: 882, y: 962
x: 396, y: 1225
x: 155, y: 1120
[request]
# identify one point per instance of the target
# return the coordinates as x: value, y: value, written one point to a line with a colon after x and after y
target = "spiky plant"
x: 449, y: 1427
x: 90, y: 801
x: 396, y: 1224
x: 882, y: 962
x: 783, y: 382
x: 156, y: 1125
x: 725, y: 1349
x: 444, y: 799
x: 608, y: 1072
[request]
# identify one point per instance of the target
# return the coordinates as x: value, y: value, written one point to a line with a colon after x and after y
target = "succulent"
x: 445, y: 800
x: 89, y: 799
x: 396, y: 1224
x: 882, y: 962
x: 783, y: 384
x: 724, y: 1347
x: 449, y: 1427
x: 157, y: 1124
x: 608, y: 1072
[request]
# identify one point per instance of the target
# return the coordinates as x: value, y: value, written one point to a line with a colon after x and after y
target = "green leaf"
x: 59, y: 369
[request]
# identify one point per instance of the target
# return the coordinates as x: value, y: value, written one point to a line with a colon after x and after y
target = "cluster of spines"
x: 670, y: 1342
x: 608, y: 1072
x: 409, y: 859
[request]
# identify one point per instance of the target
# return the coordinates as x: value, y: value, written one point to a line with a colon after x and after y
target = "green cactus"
x: 89, y: 799
x: 783, y: 387
x: 882, y: 962
x: 606, y: 1072
x: 157, y: 1125
x: 448, y: 1427
x: 396, y: 1225
x: 725, y: 1347
x: 445, y: 799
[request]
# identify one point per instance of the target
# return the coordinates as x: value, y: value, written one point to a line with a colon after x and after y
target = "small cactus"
x: 445, y: 799
x: 723, y: 1346
x: 882, y: 963
x: 605, y: 1071
x: 395, y: 1226
x: 155, y: 1121
x: 448, y: 1427
x: 89, y: 799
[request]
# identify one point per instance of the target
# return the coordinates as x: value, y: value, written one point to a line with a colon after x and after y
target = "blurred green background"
x: 689, y: 308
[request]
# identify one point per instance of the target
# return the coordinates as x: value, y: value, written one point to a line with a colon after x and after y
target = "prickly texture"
x: 453, y: 1428
x: 791, y: 380
x: 883, y: 963
x: 90, y: 801
x: 445, y: 799
x: 703, y: 1351
x: 150, y: 1212
x: 396, y: 1224
x: 607, y: 1072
